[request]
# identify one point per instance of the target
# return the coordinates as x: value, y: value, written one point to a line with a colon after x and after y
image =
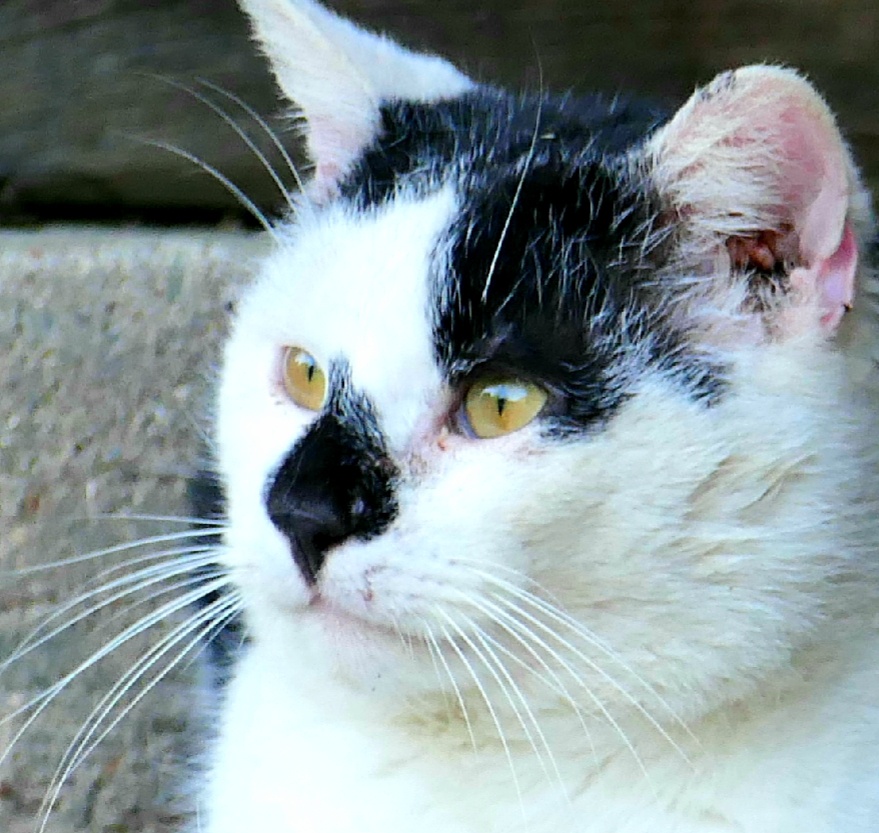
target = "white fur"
x: 338, y: 75
x: 700, y: 653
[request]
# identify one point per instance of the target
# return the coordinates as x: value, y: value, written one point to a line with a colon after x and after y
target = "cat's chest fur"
x: 546, y: 436
x: 298, y: 757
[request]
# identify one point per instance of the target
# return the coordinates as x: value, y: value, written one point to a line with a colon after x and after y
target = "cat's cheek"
x: 431, y: 453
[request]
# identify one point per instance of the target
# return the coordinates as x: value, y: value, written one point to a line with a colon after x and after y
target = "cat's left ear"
x: 338, y: 76
x: 755, y: 170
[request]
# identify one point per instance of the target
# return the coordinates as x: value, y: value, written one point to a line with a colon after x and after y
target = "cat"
x: 546, y: 439
x: 547, y: 436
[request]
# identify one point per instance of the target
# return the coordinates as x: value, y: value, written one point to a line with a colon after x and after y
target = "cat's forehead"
x: 487, y: 133
x: 357, y: 282
x: 478, y: 235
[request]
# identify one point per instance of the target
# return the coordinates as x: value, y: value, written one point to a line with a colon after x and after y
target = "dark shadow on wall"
x: 76, y: 83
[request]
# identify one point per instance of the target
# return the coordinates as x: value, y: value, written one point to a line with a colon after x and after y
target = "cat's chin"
x: 364, y: 652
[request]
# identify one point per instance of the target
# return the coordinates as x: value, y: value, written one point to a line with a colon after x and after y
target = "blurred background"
x: 78, y: 82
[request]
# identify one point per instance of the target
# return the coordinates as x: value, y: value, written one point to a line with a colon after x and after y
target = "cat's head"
x: 546, y: 388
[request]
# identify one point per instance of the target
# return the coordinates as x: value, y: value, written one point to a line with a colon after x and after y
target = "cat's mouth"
x: 339, y: 622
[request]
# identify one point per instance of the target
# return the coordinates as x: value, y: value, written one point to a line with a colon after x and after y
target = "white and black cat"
x: 547, y: 438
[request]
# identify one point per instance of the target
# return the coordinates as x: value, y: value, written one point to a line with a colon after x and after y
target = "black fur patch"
x: 551, y: 271
x: 224, y: 645
x: 422, y: 145
x: 555, y: 250
x: 336, y: 483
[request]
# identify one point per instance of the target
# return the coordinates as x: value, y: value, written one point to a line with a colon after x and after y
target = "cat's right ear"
x: 759, y: 182
x: 338, y: 76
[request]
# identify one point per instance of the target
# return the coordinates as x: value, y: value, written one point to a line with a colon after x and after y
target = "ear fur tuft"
x: 756, y: 156
x: 338, y: 75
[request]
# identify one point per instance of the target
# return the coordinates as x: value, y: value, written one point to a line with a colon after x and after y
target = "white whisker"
x: 42, y: 700
x: 405, y: 639
x: 116, y: 548
x: 602, y: 708
x: 604, y: 675
x: 484, y: 695
x: 432, y: 640
x: 294, y: 171
x: 217, y: 524
x: 82, y: 744
x: 227, y: 183
x: 492, y: 658
x: 239, y: 131
x: 526, y: 166
x: 132, y: 583
x: 195, y: 580
x: 431, y: 649
x: 559, y: 616
x: 208, y: 552
x: 555, y: 684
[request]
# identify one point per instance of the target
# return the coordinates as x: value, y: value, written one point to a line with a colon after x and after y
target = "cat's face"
x: 508, y: 396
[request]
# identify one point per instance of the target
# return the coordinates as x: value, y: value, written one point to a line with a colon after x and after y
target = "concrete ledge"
x: 108, y: 344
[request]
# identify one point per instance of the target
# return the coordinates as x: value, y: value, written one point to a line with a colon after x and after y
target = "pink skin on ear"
x: 833, y: 278
x: 836, y: 280
x: 759, y: 149
x: 827, y: 243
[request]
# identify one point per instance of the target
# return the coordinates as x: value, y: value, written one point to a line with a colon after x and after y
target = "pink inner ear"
x: 813, y: 182
x: 334, y: 146
x: 836, y: 280
x: 817, y: 189
x: 833, y: 279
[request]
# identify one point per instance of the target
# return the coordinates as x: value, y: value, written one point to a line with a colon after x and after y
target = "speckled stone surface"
x: 110, y: 340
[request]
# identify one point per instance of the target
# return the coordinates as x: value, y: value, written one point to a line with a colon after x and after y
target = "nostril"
x: 359, y: 508
x: 312, y: 531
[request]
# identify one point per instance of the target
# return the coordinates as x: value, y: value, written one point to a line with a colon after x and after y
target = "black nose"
x: 312, y: 528
x: 336, y: 483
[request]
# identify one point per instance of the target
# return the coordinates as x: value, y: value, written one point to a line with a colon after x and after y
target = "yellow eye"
x: 495, y: 407
x: 304, y: 381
